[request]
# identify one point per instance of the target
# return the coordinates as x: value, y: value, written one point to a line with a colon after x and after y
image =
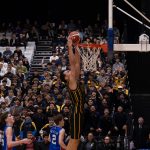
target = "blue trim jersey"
x: 4, y: 147
x: 54, y: 138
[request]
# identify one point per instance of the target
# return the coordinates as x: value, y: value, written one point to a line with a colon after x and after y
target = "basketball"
x: 75, y: 37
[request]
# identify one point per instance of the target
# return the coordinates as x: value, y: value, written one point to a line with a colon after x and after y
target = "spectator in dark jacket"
x: 27, y: 125
x: 93, y: 120
x: 89, y: 144
x: 13, y: 40
x: 4, y: 41
x: 140, y: 134
x: 106, y: 123
x: 120, y: 121
x: 39, y: 119
x: 106, y: 144
x: 44, y: 145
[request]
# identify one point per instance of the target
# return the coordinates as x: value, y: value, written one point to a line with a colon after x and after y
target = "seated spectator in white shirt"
x: 11, y: 69
x: 8, y: 81
x: 1, y: 99
x: 5, y: 64
x: 3, y: 70
x: 53, y: 57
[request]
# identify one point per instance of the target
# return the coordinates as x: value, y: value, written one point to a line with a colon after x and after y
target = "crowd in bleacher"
x: 34, y: 99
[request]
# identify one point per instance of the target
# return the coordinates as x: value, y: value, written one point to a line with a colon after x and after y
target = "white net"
x: 89, y: 57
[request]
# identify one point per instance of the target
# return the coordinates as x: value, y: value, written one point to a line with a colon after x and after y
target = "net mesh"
x: 89, y: 57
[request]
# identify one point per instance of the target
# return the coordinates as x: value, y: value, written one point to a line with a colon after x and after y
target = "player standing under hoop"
x: 57, y: 134
x: 9, y: 140
x: 76, y: 92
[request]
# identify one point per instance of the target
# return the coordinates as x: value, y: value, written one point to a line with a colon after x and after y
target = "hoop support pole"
x: 137, y: 10
x: 110, y: 32
x: 148, y: 27
x: 110, y: 14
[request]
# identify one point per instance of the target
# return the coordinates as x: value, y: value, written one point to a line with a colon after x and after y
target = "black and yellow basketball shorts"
x: 76, y: 125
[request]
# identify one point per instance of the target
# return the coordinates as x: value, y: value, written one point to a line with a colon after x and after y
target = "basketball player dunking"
x: 76, y: 91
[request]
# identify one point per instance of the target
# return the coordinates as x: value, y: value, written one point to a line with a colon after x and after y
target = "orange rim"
x: 104, y: 47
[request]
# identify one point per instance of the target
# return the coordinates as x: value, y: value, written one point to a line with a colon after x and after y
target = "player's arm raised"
x: 71, y: 55
x: 72, y: 77
x: 77, y: 63
x: 61, y: 139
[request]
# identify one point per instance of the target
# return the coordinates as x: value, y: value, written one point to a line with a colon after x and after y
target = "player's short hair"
x: 3, y: 117
x: 45, y: 134
x: 29, y: 132
x: 58, y: 118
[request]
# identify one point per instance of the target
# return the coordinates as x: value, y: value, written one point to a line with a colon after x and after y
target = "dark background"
x: 56, y: 10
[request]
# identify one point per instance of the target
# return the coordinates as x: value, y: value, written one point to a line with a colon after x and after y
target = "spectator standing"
x: 106, y: 123
x: 89, y: 143
x: 120, y: 121
x: 140, y: 134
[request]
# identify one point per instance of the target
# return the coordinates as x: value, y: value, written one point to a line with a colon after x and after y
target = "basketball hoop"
x: 89, y: 54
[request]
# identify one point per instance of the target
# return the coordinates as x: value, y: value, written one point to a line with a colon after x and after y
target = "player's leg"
x: 75, y: 123
x: 73, y: 144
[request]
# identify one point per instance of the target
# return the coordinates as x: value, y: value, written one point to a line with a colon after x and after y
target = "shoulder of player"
x: 8, y: 130
x: 62, y: 130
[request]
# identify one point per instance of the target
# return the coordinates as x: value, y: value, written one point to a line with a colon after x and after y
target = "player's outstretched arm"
x: 71, y: 55
x: 11, y: 143
x: 77, y: 62
x: 61, y: 139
